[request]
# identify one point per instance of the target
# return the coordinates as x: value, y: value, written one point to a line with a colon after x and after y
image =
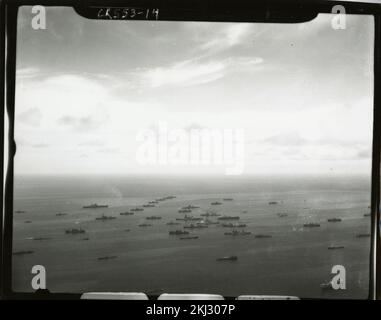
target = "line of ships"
x: 197, y: 223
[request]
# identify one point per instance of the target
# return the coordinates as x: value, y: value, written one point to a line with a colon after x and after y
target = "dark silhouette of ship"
x: 366, y: 214
x: 22, y: 252
x: 195, y: 226
x: 20, y: 211
x: 335, y: 247
x: 311, y: 225
x: 185, y: 211
x: 153, y: 218
x: 228, y: 218
x: 262, y: 236
x: 60, y: 214
x: 228, y: 258
x: 190, y: 207
x: 107, y: 257
x: 178, y: 232
x: 150, y: 205
x: 172, y: 223
x: 363, y: 235
x: 234, y: 225
x: 334, y: 220
x: 189, y: 218
x: 273, y: 202
x: 95, y: 206
x: 189, y: 238
x: 105, y: 218
x: 282, y: 215
x: 216, y: 203
x: 75, y: 231
x: 137, y: 209
x: 145, y: 225
x: 127, y: 213
x: 237, y: 233
x: 228, y: 199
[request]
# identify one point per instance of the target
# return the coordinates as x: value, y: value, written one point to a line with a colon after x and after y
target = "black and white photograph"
x: 191, y: 151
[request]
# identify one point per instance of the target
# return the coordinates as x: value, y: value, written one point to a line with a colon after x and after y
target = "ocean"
x: 292, y: 260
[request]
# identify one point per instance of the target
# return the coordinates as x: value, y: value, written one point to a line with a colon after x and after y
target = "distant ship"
x: 273, y: 202
x: 234, y: 225
x: 22, y: 252
x: 189, y: 238
x: 262, y: 236
x: 335, y: 247
x: 153, y: 202
x: 126, y: 213
x: 95, y: 206
x: 210, y: 214
x: 172, y: 223
x: 228, y: 199
x: 75, y: 231
x: 145, y: 225
x: 153, y: 218
x: 311, y: 225
x: 148, y: 205
x: 228, y: 258
x: 27, y: 221
x: 137, y: 209
x: 189, y: 218
x: 41, y: 238
x: 363, y: 235
x: 84, y: 239
x: 237, y: 233
x: 178, y: 232
x: 107, y: 257
x: 60, y: 214
x: 366, y: 214
x: 190, y: 207
x: 20, y: 211
x: 185, y: 211
x: 104, y: 218
x: 216, y: 203
x: 228, y: 218
x: 334, y: 220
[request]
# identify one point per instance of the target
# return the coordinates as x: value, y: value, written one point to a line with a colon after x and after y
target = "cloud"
x: 31, y: 117
x: 193, y: 72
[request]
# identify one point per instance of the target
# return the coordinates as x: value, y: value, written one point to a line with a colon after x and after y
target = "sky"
x: 300, y: 94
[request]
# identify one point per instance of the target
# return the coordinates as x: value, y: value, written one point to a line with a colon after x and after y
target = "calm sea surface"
x: 295, y: 260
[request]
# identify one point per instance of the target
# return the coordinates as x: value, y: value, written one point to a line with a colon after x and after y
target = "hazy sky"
x: 301, y: 93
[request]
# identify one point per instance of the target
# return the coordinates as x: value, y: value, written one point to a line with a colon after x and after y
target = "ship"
x: 237, y: 233
x: 189, y: 218
x: 228, y: 218
x: 172, y: 223
x: 363, y: 235
x: 60, y: 214
x: 273, y: 202
x: 137, y: 209
x: 145, y: 225
x: 366, y: 214
x: 228, y: 199
x: 189, y: 238
x: 148, y: 205
x: 228, y: 258
x: 234, y: 225
x: 22, y: 252
x: 190, y: 207
x: 84, y: 239
x: 107, y: 257
x: 104, y: 218
x: 153, y: 202
x: 311, y: 225
x: 126, y: 213
x: 95, y: 206
x: 153, y: 218
x: 210, y: 214
x: 75, y: 231
x: 185, y: 211
x: 334, y: 220
x: 178, y: 232
x: 41, y: 238
x: 335, y: 247
x: 20, y: 211
x: 262, y: 236
x: 216, y: 203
